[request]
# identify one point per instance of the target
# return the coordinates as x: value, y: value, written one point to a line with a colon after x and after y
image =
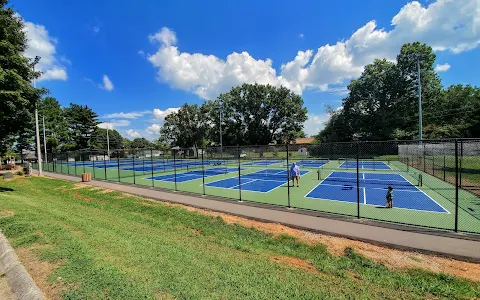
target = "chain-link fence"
x: 433, y: 183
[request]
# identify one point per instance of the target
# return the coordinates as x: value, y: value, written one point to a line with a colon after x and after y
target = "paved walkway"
x: 400, y: 237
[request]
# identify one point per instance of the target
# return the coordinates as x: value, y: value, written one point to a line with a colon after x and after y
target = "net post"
x: 151, y: 164
x: 288, y: 175
x: 133, y: 163
x: 118, y: 165
x: 239, y: 175
x: 456, y: 185
x: 203, y: 173
x: 174, y: 169
x: 105, y: 164
x: 358, y: 181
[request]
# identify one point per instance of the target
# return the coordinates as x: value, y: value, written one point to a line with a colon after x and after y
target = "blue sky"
x: 135, y: 63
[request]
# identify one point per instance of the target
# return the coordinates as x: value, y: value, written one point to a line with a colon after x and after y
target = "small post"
x: 203, y: 173
x: 133, y: 167
x: 358, y: 183
x: 75, y: 162
x: 239, y: 174
x: 105, y: 165
x: 118, y: 164
x: 151, y: 163
x: 93, y: 164
x: 288, y: 176
x: 456, y: 185
x: 461, y: 165
x: 175, y: 169
x: 83, y: 161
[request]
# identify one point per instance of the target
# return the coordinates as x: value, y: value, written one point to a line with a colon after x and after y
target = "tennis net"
x: 383, y: 180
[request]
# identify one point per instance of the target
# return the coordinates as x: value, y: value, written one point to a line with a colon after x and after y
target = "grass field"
x: 442, y: 192
x: 114, y: 246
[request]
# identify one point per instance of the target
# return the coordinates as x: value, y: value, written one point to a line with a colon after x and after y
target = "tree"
x: 98, y: 140
x: 126, y: 143
x: 256, y: 114
x: 185, y: 128
x: 82, y: 122
x: 140, y: 143
x: 18, y: 97
x: 56, y: 126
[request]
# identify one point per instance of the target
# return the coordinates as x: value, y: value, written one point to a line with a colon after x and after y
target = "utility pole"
x: 37, y: 133
x: 44, y: 139
x: 420, y: 125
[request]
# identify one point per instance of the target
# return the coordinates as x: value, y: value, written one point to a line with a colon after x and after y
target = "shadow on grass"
x: 4, y: 189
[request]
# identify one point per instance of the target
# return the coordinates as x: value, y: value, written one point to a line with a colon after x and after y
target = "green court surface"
x: 440, y: 193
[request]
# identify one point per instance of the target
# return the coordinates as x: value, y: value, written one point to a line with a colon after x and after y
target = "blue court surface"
x: 193, y: 175
x: 262, y: 181
x: 311, y: 163
x: 373, y: 165
x: 341, y: 186
x: 263, y: 162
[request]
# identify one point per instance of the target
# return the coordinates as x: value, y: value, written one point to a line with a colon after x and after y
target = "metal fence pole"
x: 424, y: 165
x: 118, y: 165
x: 105, y: 164
x: 75, y: 162
x: 151, y: 163
x: 444, y: 166
x: 174, y: 169
x: 239, y: 174
x: 133, y: 155
x: 358, y: 182
x: 460, y: 165
x: 203, y: 173
x: 61, y: 165
x: 83, y: 161
x: 433, y: 164
x: 93, y: 164
x: 288, y: 176
x: 456, y: 185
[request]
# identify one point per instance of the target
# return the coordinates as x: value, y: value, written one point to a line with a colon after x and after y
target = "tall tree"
x: 82, y: 122
x: 18, y: 97
x: 98, y: 139
x: 140, y: 143
x: 56, y: 125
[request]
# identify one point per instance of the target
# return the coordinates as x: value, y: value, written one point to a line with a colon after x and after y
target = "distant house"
x: 29, y: 155
x: 303, y: 151
x: 304, y: 141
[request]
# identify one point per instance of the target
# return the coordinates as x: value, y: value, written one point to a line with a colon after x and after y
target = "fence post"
x: 105, y: 164
x: 118, y: 165
x: 456, y: 185
x: 203, y: 173
x: 444, y: 166
x: 151, y: 163
x: 288, y: 176
x: 83, y: 161
x: 93, y: 164
x: 75, y: 162
x: 461, y: 165
x: 133, y: 163
x: 174, y: 169
x: 433, y: 163
x: 239, y: 174
x: 424, y: 165
x: 358, y: 181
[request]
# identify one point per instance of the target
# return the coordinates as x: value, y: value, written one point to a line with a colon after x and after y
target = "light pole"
x: 44, y: 140
x: 37, y: 131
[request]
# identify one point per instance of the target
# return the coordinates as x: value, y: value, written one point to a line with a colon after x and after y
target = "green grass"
x: 439, y: 190
x: 109, y: 246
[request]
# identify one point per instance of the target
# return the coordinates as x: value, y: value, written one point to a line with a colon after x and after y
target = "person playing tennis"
x: 295, y: 173
x: 389, y: 197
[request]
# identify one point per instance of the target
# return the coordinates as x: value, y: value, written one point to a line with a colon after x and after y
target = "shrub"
x: 19, y: 173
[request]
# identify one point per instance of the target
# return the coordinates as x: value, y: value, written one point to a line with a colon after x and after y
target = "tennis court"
x: 311, y: 163
x: 341, y: 186
x: 193, y: 175
x: 263, y: 162
x: 262, y: 181
x: 373, y: 165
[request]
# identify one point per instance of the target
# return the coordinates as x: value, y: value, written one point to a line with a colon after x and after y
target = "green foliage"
x: 56, y: 125
x: 19, y: 173
x: 18, y: 97
x: 82, y: 122
x: 140, y: 143
x: 383, y: 103
x: 98, y: 139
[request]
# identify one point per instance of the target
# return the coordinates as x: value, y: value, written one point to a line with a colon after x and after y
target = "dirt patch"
x: 78, y: 186
x: 196, y: 231
x: 393, y: 259
x: 75, y: 231
x: 106, y: 191
x: 39, y: 270
x: 80, y: 197
x: 296, y: 263
x: 144, y: 203
x: 6, y: 213
x: 353, y: 275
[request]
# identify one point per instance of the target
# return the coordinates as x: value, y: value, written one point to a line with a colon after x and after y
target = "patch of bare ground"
x: 6, y: 213
x: 391, y: 258
x: 75, y: 231
x: 39, y: 270
x: 5, y: 291
x: 296, y: 263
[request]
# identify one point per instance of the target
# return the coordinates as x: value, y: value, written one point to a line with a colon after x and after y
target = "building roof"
x: 304, y: 140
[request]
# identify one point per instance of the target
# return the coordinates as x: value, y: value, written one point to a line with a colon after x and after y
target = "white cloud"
x: 301, y: 35
x: 96, y: 29
x: 315, y: 123
x: 159, y: 114
x: 40, y: 43
x: 154, y: 129
x: 114, y: 124
x: 129, y: 115
x: 107, y: 84
x: 446, y: 25
x: 442, y: 68
x: 133, y: 133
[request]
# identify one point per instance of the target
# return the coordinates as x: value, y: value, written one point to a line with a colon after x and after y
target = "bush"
x: 19, y: 173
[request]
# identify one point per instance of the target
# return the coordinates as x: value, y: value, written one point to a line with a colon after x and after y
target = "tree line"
x: 382, y: 103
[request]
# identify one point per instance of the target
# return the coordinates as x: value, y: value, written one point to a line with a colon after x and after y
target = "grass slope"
x: 112, y: 246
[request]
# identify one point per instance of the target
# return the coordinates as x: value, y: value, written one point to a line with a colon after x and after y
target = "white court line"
x: 426, y: 195
x: 364, y: 196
